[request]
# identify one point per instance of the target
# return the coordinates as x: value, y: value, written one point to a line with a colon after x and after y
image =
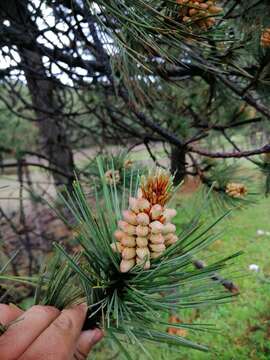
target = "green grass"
x: 244, y: 324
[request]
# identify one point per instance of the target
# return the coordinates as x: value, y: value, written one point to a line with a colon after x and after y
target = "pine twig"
x: 229, y: 285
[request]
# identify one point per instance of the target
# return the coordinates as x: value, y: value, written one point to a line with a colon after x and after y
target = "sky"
x: 11, y: 57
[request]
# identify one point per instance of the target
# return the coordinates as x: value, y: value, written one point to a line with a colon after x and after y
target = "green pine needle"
x: 129, y: 305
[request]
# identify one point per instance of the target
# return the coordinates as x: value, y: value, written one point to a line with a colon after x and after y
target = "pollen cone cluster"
x: 112, y: 176
x: 145, y: 230
x: 236, y: 190
x: 265, y: 38
x: 200, y: 11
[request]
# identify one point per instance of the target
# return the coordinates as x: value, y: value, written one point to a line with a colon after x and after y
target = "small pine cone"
x: 143, y: 204
x: 128, y: 253
x: 203, y: 6
x: 203, y: 24
x: 133, y: 205
x: 199, y: 12
x: 127, y: 265
x: 143, y: 253
x: 128, y: 163
x: 147, y: 263
x: 155, y: 255
x: 168, y: 236
x: 127, y: 228
x: 265, y: 38
x: 112, y: 176
x: 236, y: 190
x: 193, y: 12
x: 143, y: 219
x: 128, y: 241
x: 118, y: 234
x: 214, y: 10
x: 139, y: 193
x: 186, y: 19
x: 142, y: 231
x: 156, y: 227
x: 130, y: 217
x: 157, y: 247
x: 157, y: 239
x: 116, y: 247
x: 168, y: 228
x: 210, y: 22
x: 168, y: 214
x: 141, y: 242
x: 156, y: 212
x: 171, y: 239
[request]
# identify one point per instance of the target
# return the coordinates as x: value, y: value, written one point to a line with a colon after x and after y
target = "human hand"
x: 45, y: 333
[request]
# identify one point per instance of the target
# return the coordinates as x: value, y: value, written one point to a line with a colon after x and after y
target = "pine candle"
x: 145, y: 230
x: 112, y: 176
x: 236, y: 190
x: 265, y: 38
x: 200, y: 11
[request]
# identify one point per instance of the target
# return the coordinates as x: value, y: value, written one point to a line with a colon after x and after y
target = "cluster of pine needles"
x: 132, y: 307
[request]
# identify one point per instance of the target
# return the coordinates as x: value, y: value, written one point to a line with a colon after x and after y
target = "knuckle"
x: 64, y: 322
x: 79, y: 355
x: 46, y: 310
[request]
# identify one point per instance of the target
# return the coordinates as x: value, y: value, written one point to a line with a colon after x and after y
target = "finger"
x: 20, y: 335
x: 61, y: 336
x: 85, y: 343
x: 9, y: 313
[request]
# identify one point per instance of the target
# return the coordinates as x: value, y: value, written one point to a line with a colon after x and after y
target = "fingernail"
x: 94, y: 336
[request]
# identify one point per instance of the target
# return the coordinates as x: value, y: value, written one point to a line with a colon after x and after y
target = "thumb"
x: 85, y: 343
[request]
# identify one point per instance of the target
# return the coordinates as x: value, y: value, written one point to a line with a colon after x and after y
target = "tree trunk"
x: 178, y: 163
x: 51, y: 123
x: 53, y: 139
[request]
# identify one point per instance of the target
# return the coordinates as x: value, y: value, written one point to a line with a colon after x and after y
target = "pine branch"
x: 227, y: 155
x: 229, y: 285
x: 42, y: 166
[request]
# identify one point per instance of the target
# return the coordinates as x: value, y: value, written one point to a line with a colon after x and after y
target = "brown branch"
x: 226, y: 155
x: 153, y: 157
x: 246, y: 97
x: 15, y: 164
x: 191, y: 71
x: 231, y: 125
x: 229, y: 285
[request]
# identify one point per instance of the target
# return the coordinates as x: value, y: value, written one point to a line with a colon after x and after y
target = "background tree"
x: 85, y: 73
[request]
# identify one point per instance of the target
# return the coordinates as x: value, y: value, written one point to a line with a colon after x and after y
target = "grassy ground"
x: 244, y: 324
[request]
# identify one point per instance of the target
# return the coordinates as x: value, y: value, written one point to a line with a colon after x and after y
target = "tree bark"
x: 178, y: 163
x: 53, y: 138
x: 51, y: 123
